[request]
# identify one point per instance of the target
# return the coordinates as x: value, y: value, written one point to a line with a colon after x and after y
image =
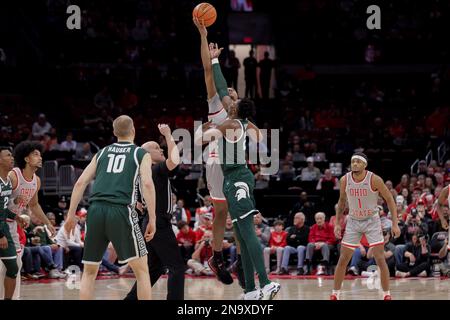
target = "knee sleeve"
x: 11, y: 268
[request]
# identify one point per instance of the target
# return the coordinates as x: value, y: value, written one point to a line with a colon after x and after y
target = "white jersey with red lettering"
x: 25, y: 188
x: 362, y: 199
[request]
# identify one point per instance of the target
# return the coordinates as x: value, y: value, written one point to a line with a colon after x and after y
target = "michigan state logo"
x: 243, y: 191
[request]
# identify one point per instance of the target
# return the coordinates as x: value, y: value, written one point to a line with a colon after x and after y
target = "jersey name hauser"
x: 119, y: 149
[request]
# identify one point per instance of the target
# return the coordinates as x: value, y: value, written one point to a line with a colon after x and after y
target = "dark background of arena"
x: 327, y: 92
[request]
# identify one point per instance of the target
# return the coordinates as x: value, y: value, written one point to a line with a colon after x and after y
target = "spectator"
x: 203, y: 251
x: 262, y: 180
x: 186, y: 239
x: 30, y: 268
x: 179, y: 212
x: 262, y: 230
x: 52, y: 218
x: 404, y: 183
x: 72, y: 244
x: 297, y: 240
x: 422, y: 169
x: 438, y: 223
x: 310, y: 173
x: 204, y: 225
x: 69, y: 144
x: 232, y: 66
x: 48, y: 251
x: 266, y: 65
x: 359, y: 256
x: 305, y: 205
x: 417, y: 256
x: 127, y: 101
x: 85, y: 154
x: 207, y: 208
x: 328, y: 182
x: 250, y: 65
x: 321, y: 237
x: 60, y: 210
x: 103, y: 100
x: 287, y: 172
x: 229, y: 242
x: 277, y: 243
x: 40, y: 127
x: 389, y: 249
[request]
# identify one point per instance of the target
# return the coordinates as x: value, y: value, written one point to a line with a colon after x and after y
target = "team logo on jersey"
x: 243, y: 190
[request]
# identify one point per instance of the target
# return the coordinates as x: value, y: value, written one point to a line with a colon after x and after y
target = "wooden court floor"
x: 291, y: 289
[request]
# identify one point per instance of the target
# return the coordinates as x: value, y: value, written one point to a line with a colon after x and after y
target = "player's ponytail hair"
x: 246, y: 109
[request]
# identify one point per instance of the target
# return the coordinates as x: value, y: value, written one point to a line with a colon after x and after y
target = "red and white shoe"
x: 334, y: 297
x: 387, y: 297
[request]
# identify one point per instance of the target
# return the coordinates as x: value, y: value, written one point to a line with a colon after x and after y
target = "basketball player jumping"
x: 219, y: 101
x: 117, y: 169
x: 26, y: 185
x: 238, y: 190
x: 360, y: 189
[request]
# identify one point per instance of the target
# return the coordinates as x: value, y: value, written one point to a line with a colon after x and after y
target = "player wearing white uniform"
x: 444, y: 196
x: 360, y: 189
x: 220, y: 101
x: 25, y: 184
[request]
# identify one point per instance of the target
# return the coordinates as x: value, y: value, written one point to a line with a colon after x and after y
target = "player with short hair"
x: 219, y: 100
x: 8, y: 255
x: 360, y: 189
x: 238, y: 188
x: 26, y: 185
x: 119, y: 169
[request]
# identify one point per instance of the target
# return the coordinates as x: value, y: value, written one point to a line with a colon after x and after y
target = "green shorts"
x: 10, y: 252
x: 112, y: 223
x: 238, y: 185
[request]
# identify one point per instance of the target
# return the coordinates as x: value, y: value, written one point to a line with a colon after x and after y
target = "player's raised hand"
x: 337, y: 231
x: 200, y: 26
x: 395, y: 231
x: 164, y: 129
x: 214, y: 51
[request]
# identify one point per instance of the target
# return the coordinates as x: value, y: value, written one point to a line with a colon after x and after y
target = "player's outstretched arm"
x: 148, y: 191
x: 77, y: 193
x: 254, y: 132
x: 206, y: 58
x: 219, y: 79
x: 173, y: 158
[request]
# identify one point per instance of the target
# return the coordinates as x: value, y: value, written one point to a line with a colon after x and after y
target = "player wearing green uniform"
x: 120, y: 170
x: 238, y: 188
x: 7, y: 248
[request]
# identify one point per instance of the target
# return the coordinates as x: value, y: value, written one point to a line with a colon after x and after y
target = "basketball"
x: 206, y: 13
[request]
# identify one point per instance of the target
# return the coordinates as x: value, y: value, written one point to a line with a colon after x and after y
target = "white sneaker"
x: 254, y: 295
x: 422, y: 274
x: 320, y: 270
x: 270, y: 290
x: 54, y: 274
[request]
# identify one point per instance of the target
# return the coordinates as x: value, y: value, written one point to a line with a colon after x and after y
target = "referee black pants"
x: 164, y: 254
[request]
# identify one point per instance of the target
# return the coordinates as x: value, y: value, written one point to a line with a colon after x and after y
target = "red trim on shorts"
x: 348, y: 245
x: 215, y: 113
x: 376, y: 244
x: 218, y: 200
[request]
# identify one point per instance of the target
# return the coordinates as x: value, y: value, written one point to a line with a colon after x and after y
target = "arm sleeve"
x: 219, y: 81
x: 10, y: 214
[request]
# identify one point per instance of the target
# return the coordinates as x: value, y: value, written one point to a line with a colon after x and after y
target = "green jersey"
x: 5, y: 197
x: 117, y: 176
x: 232, y: 153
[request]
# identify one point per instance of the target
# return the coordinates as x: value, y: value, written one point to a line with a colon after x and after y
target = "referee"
x: 163, y: 251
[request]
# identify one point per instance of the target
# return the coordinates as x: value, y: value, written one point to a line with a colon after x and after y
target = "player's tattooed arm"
x: 378, y: 184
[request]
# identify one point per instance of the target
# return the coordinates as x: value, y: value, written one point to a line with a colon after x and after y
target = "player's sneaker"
x: 254, y: 295
x: 270, y: 290
x: 334, y: 297
x: 387, y: 297
x: 219, y: 269
x: 353, y: 271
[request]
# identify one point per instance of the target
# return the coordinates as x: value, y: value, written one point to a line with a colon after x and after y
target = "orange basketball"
x: 206, y: 13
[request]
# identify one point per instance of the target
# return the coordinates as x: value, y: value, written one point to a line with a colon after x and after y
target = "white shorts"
x: 214, y: 180
x: 355, y: 228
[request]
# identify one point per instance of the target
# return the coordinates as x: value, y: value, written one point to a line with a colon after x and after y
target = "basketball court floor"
x: 292, y: 288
